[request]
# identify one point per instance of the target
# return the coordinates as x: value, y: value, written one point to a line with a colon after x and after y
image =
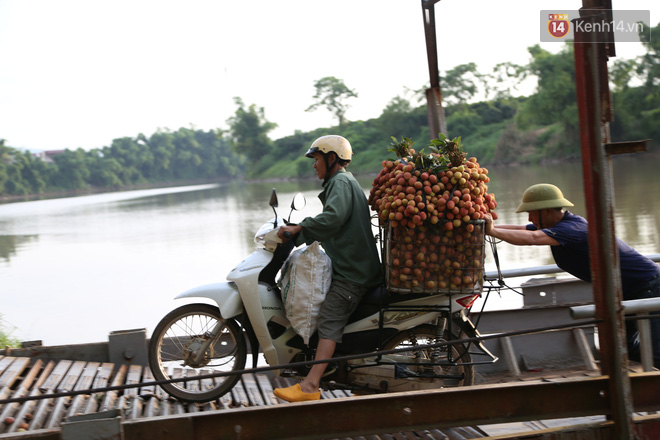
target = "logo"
x: 624, y: 25
x: 558, y: 25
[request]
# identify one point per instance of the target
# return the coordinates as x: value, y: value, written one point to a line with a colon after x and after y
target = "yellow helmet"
x: 542, y: 196
x: 332, y: 144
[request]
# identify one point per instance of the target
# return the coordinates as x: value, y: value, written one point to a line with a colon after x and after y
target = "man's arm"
x: 518, y: 235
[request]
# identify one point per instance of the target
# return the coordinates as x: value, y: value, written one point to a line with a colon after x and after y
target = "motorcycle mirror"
x: 299, y: 202
x: 273, y: 199
x: 273, y: 203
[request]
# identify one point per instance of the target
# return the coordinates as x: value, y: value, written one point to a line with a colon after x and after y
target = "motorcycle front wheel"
x: 175, y: 346
x: 454, y: 361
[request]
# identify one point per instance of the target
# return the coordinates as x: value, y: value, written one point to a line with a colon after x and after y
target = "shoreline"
x: 5, y: 199
x: 90, y: 191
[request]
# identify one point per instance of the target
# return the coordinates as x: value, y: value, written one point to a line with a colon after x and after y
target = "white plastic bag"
x: 305, y: 280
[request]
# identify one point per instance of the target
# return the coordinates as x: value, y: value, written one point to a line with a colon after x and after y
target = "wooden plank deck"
x: 19, y: 377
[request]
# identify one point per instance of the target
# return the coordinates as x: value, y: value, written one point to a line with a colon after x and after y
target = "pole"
x: 591, y: 84
x: 435, y: 112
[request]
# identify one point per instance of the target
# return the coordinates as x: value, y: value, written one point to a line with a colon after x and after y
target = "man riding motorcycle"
x: 344, y: 230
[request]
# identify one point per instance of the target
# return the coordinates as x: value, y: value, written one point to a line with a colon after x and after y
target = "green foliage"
x: 649, y: 64
x: 249, y: 130
x: 332, y: 93
x: 529, y: 129
x: 6, y: 339
x: 400, y: 119
x: 555, y: 90
x: 480, y: 142
x: 636, y: 109
x: 461, y: 83
x: 183, y: 155
x: 452, y: 149
x: 463, y: 120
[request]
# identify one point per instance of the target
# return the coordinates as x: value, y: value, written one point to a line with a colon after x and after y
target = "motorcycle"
x: 200, y: 338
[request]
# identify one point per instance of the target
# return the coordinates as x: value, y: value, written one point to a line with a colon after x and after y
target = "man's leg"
x: 339, y: 303
x: 308, y: 389
x: 652, y: 290
x: 324, y: 350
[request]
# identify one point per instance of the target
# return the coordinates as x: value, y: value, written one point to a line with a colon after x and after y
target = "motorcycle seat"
x: 380, y: 296
x: 377, y: 298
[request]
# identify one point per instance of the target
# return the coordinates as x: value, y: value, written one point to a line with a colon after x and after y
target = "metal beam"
x: 396, y: 412
x: 539, y: 270
x: 630, y: 306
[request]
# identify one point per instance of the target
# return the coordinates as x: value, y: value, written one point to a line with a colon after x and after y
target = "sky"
x: 80, y: 73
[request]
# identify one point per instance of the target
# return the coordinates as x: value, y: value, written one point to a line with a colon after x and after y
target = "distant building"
x: 47, y: 156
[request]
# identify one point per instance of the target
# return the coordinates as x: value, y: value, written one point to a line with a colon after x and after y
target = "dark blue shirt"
x: 572, y: 254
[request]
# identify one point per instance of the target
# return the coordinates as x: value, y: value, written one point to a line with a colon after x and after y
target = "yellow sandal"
x: 295, y: 394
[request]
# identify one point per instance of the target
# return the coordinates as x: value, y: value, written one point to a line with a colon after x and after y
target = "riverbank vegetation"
x: 6, y: 338
x: 499, y: 128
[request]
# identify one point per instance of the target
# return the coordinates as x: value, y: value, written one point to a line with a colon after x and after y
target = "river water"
x: 74, y: 269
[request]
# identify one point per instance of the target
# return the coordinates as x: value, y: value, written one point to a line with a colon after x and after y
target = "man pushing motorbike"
x: 567, y: 235
x: 344, y: 230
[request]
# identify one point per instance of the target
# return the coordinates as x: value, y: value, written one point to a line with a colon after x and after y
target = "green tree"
x: 186, y: 159
x: 649, y: 65
x: 105, y: 172
x: 72, y: 172
x: 462, y: 120
x: 32, y: 173
x: 332, y: 93
x: 20, y: 172
x: 5, y: 159
x: 248, y: 131
x: 133, y: 158
x: 504, y: 78
x: 400, y: 119
x: 649, y: 72
x: 555, y: 100
x: 16, y: 168
x: 461, y: 83
x: 161, y: 145
x: 621, y: 72
x: 217, y: 158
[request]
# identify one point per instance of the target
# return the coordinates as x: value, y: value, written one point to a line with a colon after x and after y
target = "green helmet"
x: 542, y: 196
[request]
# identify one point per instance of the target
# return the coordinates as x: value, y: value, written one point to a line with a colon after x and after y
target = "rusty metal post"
x: 434, y: 109
x: 591, y: 84
x: 436, y: 113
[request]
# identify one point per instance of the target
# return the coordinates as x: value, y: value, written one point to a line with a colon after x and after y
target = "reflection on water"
x: 9, y: 243
x: 74, y: 269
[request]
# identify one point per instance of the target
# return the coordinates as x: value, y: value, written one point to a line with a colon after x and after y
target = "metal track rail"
x: 67, y: 391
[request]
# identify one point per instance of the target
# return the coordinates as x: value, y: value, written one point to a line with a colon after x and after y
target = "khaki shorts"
x: 341, y: 300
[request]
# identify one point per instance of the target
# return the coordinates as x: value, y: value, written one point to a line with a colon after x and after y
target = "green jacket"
x: 344, y: 230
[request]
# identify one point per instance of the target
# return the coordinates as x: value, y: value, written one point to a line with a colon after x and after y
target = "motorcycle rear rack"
x: 445, y: 312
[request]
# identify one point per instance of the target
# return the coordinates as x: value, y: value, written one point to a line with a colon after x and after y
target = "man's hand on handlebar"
x: 489, y: 224
x: 287, y: 232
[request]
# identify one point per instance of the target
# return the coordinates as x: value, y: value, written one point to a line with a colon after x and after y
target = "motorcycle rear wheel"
x: 179, y: 332
x: 425, y: 335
